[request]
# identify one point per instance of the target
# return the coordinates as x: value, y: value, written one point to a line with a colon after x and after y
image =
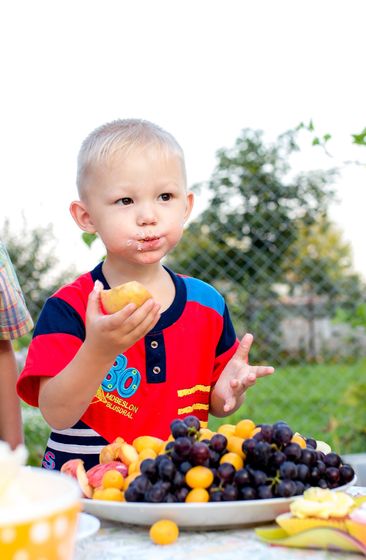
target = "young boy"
x: 15, y: 321
x: 95, y: 376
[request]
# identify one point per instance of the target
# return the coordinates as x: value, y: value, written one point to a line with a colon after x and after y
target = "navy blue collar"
x: 172, y: 314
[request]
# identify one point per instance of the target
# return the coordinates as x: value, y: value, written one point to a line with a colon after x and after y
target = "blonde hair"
x: 121, y: 136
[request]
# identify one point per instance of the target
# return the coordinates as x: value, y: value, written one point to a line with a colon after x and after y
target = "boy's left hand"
x: 239, y: 375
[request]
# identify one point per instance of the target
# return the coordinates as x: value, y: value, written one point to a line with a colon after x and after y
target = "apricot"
x: 234, y: 444
x: 109, y: 494
x: 234, y: 459
x: 244, y: 428
x: 118, y: 450
x: 205, y: 433
x: 299, y: 439
x: 197, y: 495
x: 164, y: 531
x: 148, y: 442
x: 111, y: 451
x: 134, y: 467
x: 118, y: 297
x: 113, y: 479
x: 95, y: 474
x: 128, y: 454
x: 199, y: 477
x: 226, y: 429
x: 147, y: 454
x: 130, y: 478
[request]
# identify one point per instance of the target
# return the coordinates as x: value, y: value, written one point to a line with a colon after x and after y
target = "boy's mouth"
x: 149, y: 238
x: 148, y: 241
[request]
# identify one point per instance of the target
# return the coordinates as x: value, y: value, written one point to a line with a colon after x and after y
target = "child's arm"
x: 237, y: 376
x: 64, y: 398
x: 10, y: 416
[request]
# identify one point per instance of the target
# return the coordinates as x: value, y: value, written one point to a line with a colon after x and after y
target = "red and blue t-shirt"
x: 167, y: 374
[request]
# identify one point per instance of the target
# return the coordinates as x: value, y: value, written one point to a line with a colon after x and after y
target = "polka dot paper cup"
x: 41, y: 522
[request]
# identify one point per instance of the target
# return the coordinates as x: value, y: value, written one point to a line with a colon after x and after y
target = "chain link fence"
x: 266, y: 242
x: 311, y: 336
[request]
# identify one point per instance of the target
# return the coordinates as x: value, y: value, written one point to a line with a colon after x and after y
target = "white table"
x: 121, y: 541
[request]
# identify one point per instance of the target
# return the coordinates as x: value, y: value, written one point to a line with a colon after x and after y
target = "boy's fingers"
x: 146, y: 315
x: 245, y: 344
x: 134, y: 315
x: 94, y: 298
x: 261, y: 371
x: 147, y: 324
x: 119, y: 317
x: 229, y: 404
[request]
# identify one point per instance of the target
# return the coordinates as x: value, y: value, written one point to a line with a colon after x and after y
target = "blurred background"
x: 267, y: 100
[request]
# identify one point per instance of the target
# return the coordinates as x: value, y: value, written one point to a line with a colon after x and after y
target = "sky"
x: 202, y: 69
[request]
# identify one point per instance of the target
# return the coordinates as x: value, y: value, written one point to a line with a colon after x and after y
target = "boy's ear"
x: 189, y: 205
x: 81, y: 216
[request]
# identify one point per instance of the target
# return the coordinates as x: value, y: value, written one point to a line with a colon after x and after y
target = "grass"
x: 324, y: 401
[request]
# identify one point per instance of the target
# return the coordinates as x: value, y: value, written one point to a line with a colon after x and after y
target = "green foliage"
x: 324, y: 401
x: 265, y: 230
x: 360, y: 139
x: 32, y: 253
x: 89, y: 238
x: 317, y: 140
x: 36, y: 433
x: 355, y: 317
x: 322, y: 140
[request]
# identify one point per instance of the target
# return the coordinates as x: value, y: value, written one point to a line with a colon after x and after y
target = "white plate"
x: 87, y: 526
x: 201, y: 515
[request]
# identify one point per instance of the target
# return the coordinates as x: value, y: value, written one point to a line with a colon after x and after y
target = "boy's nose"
x: 146, y: 217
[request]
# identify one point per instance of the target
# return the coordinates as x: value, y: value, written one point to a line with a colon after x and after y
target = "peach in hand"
x: 118, y: 297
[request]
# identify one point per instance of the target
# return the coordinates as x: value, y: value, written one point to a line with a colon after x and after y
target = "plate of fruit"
x: 242, y: 474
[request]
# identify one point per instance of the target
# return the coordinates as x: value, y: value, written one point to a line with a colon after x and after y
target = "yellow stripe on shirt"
x: 196, y: 406
x: 194, y: 389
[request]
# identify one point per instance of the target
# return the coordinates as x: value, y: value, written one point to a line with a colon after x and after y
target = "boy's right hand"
x: 110, y: 335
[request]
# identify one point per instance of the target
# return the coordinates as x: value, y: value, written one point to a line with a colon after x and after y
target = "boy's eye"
x: 165, y: 196
x: 125, y: 201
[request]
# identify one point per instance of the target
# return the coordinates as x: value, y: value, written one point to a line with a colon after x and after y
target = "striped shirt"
x: 80, y: 441
x: 15, y: 320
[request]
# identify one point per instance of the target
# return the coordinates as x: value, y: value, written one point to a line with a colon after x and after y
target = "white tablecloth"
x: 120, y: 541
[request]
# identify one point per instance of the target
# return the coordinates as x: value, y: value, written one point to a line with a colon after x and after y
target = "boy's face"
x: 137, y: 204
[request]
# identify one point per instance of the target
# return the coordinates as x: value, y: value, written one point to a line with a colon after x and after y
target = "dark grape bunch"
x: 275, y: 466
